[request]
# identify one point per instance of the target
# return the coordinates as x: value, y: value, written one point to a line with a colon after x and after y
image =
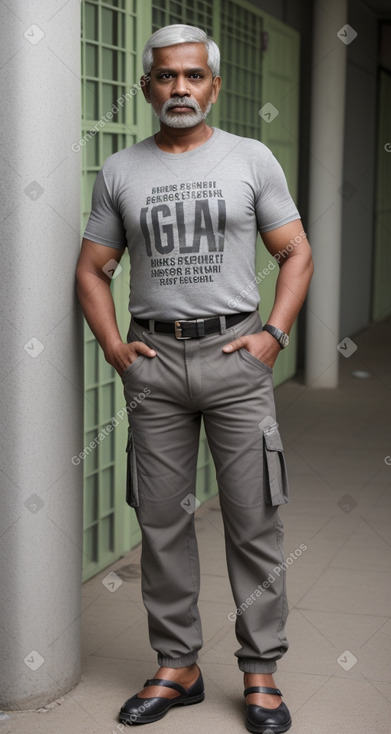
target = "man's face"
x: 182, y: 89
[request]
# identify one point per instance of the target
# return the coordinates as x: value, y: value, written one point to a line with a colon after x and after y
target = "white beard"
x: 181, y: 120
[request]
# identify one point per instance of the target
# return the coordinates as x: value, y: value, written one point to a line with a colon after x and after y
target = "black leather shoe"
x: 265, y: 721
x: 138, y: 710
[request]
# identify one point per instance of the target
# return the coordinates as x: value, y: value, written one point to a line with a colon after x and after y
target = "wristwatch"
x: 282, y: 338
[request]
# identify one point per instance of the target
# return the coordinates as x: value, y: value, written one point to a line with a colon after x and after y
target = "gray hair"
x: 170, y: 35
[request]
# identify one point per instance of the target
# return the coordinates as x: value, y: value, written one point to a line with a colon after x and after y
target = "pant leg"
x: 251, y: 476
x: 165, y: 436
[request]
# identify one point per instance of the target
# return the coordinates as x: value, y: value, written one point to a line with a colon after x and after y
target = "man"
x: 188, y: 203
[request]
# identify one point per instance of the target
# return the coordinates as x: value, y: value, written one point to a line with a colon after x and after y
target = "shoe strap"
x: 166, y: 683
x: 262, y: 689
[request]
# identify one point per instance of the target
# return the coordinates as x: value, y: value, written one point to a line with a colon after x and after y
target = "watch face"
x: 284, y: 340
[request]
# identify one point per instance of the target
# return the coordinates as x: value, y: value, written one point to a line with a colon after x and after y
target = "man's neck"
x: 180, y: 140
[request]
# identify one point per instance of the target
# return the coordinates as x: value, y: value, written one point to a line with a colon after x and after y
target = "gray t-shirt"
x: 190, y: 221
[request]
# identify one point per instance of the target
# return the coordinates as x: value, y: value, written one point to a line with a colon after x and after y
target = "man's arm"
x: 296, y: 268
x: 93, y: 289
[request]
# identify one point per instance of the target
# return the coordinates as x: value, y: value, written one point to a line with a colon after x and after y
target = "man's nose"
x: 180, y: 88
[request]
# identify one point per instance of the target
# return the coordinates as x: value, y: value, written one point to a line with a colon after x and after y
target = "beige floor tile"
x: 216, y: 588
x: 375, y: 655
x: 130, y: 644
x: 383, y: 688
x: 351, y: 632
x: 214, y: 617
x: 98, y: 633
x: 348, y: 706
x: 346, y: 590
x: 310, y: 652
x: 220, y: 649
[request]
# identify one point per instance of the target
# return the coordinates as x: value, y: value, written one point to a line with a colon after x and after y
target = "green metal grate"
x: 110, y: 122
x: 241, y: 70
x: 165, y: 12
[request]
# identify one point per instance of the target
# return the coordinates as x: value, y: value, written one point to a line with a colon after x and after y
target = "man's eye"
x: 195, y: 76
x: 166, y: 75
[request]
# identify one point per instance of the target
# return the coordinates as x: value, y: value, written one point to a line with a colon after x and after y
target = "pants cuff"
x: 257, y: 666
x: 183, y: 662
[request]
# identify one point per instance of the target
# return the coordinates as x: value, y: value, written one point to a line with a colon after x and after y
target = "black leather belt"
x: 193, y: 328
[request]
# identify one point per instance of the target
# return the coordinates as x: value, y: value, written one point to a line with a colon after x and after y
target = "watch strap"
x: 282, y: 338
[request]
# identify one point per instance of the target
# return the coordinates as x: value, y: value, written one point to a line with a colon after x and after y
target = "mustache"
x: 179, y: 102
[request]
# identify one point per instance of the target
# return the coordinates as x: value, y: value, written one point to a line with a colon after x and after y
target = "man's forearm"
x: 98, y: 307
x: 291, y: 289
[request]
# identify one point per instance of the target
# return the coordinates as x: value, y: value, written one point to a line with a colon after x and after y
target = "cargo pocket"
x: 132, y: 498
x: 276, y: 478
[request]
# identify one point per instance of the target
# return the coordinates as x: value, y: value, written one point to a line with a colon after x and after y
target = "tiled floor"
x: 336, y: 676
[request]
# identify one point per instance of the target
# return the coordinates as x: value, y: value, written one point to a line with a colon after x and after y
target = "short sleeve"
x: 274, y: 204
x: 105, y: 224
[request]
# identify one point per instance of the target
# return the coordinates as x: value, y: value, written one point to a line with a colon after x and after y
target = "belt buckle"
x: 178, y: 330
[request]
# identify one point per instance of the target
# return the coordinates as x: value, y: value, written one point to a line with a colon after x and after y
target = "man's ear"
x: 216, y: 88
x: 144, y: 84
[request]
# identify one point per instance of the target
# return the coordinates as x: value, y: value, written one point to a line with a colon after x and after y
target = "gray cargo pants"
x: 166, y: 397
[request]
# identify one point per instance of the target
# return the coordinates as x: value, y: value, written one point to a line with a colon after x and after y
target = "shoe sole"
x: 265, y: 729
x: 126, y: 718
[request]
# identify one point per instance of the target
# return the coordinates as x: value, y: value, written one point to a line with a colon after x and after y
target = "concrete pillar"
x: 325, y: 190
x: 41, y: 391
